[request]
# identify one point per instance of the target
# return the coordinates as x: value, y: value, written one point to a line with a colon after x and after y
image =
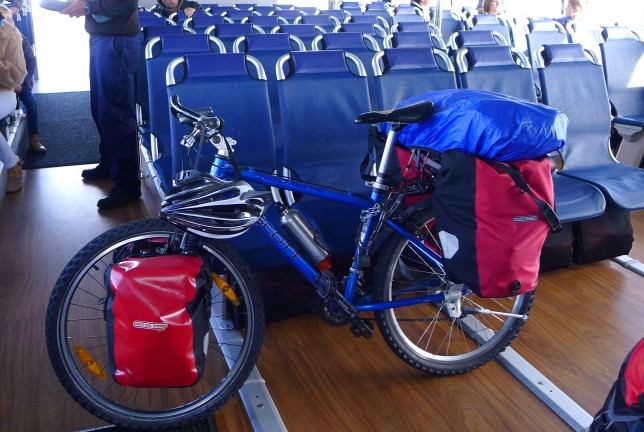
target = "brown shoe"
x: 35, y: 144
x: 14, y: 178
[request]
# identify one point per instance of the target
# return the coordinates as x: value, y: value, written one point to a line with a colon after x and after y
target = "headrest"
x: 563, y: 53
x: 411, y: 39
x: 489, y: 55
x: 184, y: 43
x: 151, y: 31
x: 358, y: 28
x: 212, y: 65
x: 611, y: 33
x: 299, y: 29
x: 343, y: 40
x: 413, y: 26
x: 208, y: 20
x: 321, y: 19
x: 408, y: 58
x: 485, y: 19
x: 542, y: 25
x: 264, y: 20
x: 234, y: 30
x: 304, y: 62
x: 474, y: 37
x: 268, y: 42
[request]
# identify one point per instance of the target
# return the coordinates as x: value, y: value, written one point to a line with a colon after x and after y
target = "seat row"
x: 294, y: 110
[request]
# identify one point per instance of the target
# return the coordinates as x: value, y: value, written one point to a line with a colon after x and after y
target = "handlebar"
x: 192, y: 117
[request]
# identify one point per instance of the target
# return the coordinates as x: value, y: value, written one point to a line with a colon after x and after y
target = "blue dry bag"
x: 488, y: 125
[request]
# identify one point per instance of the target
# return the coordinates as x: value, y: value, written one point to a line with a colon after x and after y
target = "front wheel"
x: 425, y: 335
x: 75, y: 317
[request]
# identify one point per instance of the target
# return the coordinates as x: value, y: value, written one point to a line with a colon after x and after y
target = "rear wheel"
x: 425, y: 335
x: 75, y: 317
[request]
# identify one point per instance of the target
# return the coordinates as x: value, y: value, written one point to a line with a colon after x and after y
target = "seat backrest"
x: 141, y: 79
x: 450, y: 23
x: 235, y: 87
x: 416, y: 26
x: 159, y: 52
x: 493, y: 68
x: 319, y: 100
x: 491, y: 22
x: 623, y: 63
x: 238, y: 15
x: 361, y: 45
x: 266, y: 22
x: 150, y: 19
x: 228, y: 33
x: 325, y: 21
x: 411, y: 39
x: 375, y: 30
x: 369, y: 19
x: 267, y: 49
x: 305, y: 32
x: 219, y: 10
x: 463, y: 38
x: 573, y: 84
x: 289, y: 14
x: 264, y: 9
x: 200, y: 24
x: 401, y: 73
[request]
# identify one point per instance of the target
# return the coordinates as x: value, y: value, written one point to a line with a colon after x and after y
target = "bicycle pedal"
x: 362, y: 328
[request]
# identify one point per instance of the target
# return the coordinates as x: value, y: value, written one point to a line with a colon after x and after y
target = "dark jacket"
x: 112, y: 17
x: 183, y: 4
x: 30, y: 60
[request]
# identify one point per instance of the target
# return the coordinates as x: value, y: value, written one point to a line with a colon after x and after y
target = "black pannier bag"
x: 603, y: 237
x: 623, y: 410
x: 158, y: 312
x: 556, y: 252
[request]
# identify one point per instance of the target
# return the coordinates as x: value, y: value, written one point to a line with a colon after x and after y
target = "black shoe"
x: 100, y: 172
x: 118, y: 198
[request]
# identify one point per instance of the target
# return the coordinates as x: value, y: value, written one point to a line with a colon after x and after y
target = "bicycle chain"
x: 411, y: 319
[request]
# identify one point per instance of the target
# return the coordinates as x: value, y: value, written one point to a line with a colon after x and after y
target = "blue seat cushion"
x: 575, y: 199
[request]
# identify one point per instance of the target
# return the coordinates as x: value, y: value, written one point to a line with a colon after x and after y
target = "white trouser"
x: 7, y: 106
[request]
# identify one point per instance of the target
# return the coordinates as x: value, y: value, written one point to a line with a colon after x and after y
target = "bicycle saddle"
x: 414, y: 113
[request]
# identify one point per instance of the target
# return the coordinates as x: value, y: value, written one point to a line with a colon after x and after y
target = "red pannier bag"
x: 492, y: 219
x: 158, y: 311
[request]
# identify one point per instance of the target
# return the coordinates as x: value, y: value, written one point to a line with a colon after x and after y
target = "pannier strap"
x: 546, y: 210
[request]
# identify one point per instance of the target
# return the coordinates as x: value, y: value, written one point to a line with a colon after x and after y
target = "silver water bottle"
x: 306, y: 237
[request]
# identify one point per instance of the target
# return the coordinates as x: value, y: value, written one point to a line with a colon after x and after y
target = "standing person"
x: 113, y: 26
x: 12, y: 72
x: 28, y: 100
x: 168, y: 7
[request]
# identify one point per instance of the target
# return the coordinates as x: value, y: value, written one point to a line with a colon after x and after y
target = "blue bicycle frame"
x: 223, y: 169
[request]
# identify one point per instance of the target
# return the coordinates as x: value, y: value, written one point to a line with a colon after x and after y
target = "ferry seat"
x: 305, y: 32
x: 573, y: 84
x: 228, y: 33
x: 623, y: 62
x: 325, y: 21
x: 400, y: 73
x: 264, y: 9
x: 375, y: 30
x: 541, y: 32
x: 495, y: 69
x: 200, y: 24
x: 414, y: 39
x: 289, y: 15
x: 319, y: 100
x: 268, y: 48
x: 158, y: 54
x: 450, y: 23
x: 265, y: 22
x: 363, y: 46
x: 369, y: 19
x: 491, y: 22
x: 141, y: 77
x: 415, y: 26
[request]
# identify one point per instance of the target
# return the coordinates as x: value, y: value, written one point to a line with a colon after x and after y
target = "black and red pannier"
x: 492, y: 219
x: 158, y: 311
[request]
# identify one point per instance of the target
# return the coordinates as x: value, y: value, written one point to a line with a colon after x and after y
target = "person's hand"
x: 76, y: 8
x: 18, y: 89
x: 189, y: 11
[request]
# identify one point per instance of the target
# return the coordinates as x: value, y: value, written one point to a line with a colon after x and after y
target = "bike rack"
x: 630, y: 264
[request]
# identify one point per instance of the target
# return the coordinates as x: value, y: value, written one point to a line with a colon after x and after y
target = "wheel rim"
x: 426, y: 329
x: 82, y: 309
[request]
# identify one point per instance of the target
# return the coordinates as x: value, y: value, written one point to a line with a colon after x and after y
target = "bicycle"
x: 430, y: 322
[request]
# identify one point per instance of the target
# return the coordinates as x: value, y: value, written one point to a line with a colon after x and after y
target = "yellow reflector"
x: 89, y: 362
x: 226, y: 289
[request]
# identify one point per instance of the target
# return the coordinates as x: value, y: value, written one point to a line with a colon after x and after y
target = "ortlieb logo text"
x: 524, y: 218
x: 150, y: 325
